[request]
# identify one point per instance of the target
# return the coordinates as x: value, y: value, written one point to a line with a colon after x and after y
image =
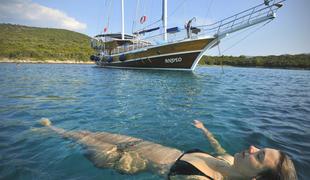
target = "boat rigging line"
x: 146, y: 26
x: 157, y: 21
x: 246, y: 36
x: 220, y: 54
x: 208, y: 9
x: 109, y: 6
x: 177, y: 8
x: 135, y: 18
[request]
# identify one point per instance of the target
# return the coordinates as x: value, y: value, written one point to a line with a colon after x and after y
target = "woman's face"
x: 252, y: 161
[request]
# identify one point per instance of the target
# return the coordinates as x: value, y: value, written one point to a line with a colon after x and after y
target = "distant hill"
x: 283, y: 61
x: 32, y: 43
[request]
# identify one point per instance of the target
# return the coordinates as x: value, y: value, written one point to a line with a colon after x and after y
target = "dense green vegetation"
x: 283, y: 61
x: 31, y: 43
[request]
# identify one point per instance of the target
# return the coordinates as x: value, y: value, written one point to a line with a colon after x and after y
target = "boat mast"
x: 123, y: 26
x: 164, y: 18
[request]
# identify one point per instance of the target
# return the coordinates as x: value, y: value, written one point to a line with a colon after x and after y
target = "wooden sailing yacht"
x: 181, y: 49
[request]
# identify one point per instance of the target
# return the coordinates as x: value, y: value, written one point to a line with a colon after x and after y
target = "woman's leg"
x: 124, y: 153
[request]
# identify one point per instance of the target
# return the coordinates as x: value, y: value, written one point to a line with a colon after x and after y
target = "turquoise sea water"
x: 243, y: 106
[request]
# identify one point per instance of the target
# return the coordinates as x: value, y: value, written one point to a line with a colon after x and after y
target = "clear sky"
x: 287, y: 34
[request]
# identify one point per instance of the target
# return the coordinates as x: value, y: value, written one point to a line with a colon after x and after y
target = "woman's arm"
x: 214, y: 143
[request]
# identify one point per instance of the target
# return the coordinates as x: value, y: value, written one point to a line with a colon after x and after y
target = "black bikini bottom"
x: 181, y: 167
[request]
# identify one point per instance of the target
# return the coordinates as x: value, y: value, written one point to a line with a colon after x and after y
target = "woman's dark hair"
x: 285, y: 170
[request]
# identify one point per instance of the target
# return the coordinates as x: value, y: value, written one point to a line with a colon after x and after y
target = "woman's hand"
x: 198, y: 124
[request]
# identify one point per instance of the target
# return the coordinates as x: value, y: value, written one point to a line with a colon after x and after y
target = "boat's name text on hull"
x: 173, y: 60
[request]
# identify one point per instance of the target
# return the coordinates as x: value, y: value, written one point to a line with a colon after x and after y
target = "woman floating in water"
x: 132, y: 155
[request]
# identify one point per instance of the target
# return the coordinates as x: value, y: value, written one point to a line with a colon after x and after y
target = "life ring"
x: 143, y: 19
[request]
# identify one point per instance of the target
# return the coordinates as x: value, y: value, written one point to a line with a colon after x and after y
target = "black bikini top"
x: 181, y: 167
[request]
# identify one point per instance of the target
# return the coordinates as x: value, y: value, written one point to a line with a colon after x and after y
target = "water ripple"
x: 243, y: 106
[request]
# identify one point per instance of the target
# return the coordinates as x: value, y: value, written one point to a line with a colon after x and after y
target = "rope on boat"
x: 208, y: 9
x: 250, y: 33
x: 177, y: 8
x: 171, y: 14
x: 220, y: 54
x: 109, y: 6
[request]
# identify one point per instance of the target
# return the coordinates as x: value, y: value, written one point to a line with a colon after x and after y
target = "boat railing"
x: 132, y: 47
x: 255, y: 15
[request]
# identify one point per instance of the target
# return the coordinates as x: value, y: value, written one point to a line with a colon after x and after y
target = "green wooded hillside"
x: 22, y: 42
x: 282, y: 61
